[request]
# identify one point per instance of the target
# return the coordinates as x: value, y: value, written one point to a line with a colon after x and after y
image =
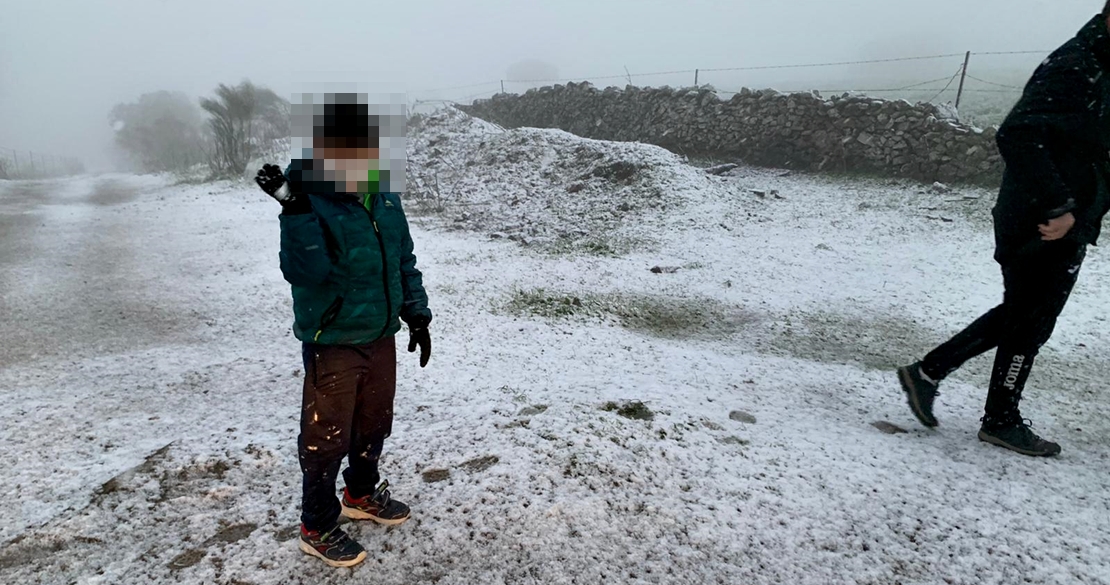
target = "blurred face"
x: 350, y: 163
x: 356, y: 141
x: 348, y: 159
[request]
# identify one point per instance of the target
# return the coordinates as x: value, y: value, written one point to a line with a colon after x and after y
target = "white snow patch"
x: 152, y: 394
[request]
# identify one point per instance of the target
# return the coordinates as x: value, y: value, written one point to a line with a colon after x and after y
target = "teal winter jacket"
x: 352, y: 268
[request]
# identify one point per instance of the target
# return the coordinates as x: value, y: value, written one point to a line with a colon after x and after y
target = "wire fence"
x: 27, y: 164
x: 894, y: 77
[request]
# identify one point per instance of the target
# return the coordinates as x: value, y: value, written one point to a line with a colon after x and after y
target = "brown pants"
x: 346, y: 411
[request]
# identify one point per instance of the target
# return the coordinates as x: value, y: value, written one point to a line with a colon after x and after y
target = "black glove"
x: 419, y: 336
x: 271, y: 180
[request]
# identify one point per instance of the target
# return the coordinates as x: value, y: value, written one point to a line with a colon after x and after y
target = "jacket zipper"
x: 368, y: 204
x: 329, y: 316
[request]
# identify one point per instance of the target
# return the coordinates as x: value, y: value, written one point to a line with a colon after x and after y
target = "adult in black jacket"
x: 1053, y: 198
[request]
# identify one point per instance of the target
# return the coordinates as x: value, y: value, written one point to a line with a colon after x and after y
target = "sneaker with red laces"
x: 378, y: 506
x: 333, y: 547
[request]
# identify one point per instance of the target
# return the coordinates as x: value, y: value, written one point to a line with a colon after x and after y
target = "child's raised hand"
x: 271, y: 180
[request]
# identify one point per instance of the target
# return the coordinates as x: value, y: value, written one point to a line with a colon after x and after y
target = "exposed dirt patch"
x: 233, y: 533
x: 30, y: 551
x: 16, y: 246
x: 288, y: 533
x: 21, y: 196
x: 112, y: 192
x: 435, y: 475
x: 880, y: 342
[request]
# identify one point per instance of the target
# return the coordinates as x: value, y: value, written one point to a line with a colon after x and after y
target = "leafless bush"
x: 161, y: 131
x: 243, y: 119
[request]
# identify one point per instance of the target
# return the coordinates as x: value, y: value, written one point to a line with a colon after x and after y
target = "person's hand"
x: 420, y: 337
x: 271, y: 180
x: 1057, y: 228
x: 287, y: 192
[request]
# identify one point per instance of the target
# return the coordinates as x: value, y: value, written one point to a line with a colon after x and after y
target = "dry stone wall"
x: 846, y: 133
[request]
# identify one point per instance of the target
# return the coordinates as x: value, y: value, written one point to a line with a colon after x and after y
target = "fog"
x: 63, y: 65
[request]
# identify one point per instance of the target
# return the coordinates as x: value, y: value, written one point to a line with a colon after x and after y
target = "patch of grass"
x: 540, y: 303
x: 658, y: 316
x: 595, y: 244
x: 673, y: 317
x: 634, y: 410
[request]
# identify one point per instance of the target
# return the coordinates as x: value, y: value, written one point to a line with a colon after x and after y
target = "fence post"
x: 695, y: 78
x: 502, y: 86
x: 963, y: 76
x: 32, y: 154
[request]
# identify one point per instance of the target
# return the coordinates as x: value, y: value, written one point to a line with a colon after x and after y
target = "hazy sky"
x: 64, y: 64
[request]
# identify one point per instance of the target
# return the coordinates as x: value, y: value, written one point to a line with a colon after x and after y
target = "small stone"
x: 532, y: 410
x: 741, y: 416
x: 186, y: 559
x: 889, y: 428
x: 480, y: 463
x: 721, y: 169
x: 288, y: 533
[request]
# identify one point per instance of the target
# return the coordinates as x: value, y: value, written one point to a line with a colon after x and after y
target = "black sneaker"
x: 333, y: 547
x: 920, y: 391
x: 1018, y: 437
x: 378, y: 506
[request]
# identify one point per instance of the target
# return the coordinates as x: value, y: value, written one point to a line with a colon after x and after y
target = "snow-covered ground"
x: 150, y: 389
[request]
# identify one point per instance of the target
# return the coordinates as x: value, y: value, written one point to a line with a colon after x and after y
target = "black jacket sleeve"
x: 1060, y: 104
